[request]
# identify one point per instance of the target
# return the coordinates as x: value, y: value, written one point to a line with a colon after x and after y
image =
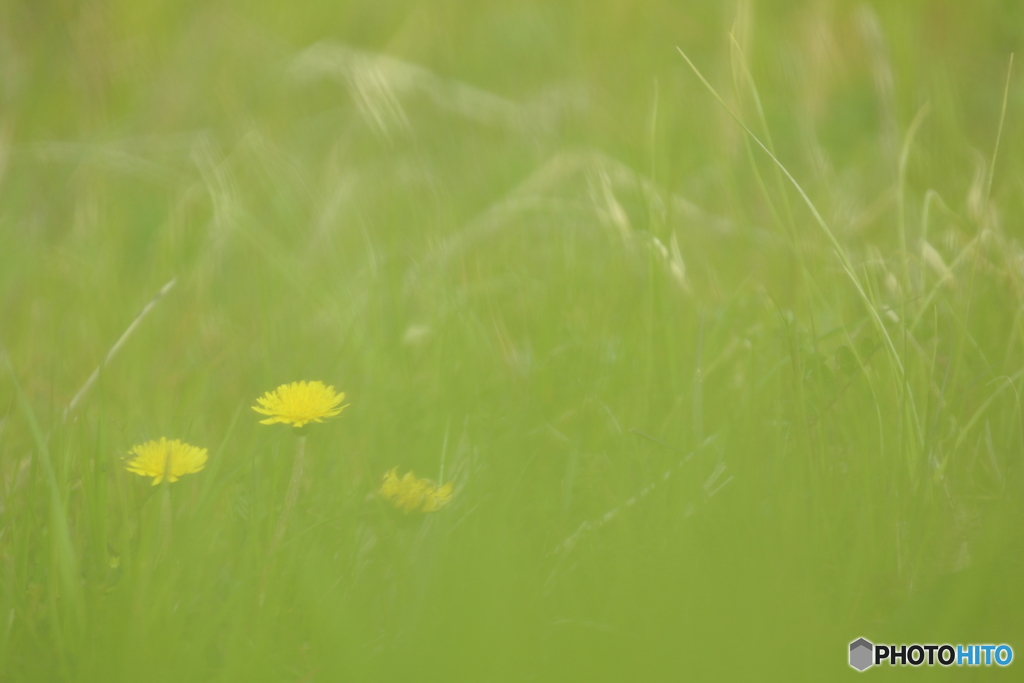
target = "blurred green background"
x: 695, y: 432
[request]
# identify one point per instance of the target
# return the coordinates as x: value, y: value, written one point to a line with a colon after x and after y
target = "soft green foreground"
x: 536, y: 252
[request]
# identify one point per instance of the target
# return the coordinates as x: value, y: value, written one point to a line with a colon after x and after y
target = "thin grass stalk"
x: 999, y: 133
x: 63, y: 556
x: 844, y: 259
x: 841, y: 254
x: 901, y: 195
x: 789, y: 225
x: 116, y: 347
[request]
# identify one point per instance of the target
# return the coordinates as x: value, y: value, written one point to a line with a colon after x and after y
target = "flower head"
x: 163, y: 458
x: 299, y: 403
x: 410, y: 494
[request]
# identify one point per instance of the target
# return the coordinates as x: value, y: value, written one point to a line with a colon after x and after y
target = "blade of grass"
x: 999, y: 132
x: 1007, y: 382
x: 790, y: 224
x: 901, y: 191
x: 117, y: 347
x: 64, y: 556
x: 840, y: 252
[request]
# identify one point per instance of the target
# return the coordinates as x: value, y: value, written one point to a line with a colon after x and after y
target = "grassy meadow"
x: 706, y: 415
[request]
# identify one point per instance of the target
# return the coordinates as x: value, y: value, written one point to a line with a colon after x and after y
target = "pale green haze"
x: 711, y: 313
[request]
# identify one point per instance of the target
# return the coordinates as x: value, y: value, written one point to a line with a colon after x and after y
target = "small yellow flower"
x: 163, y: 458
x: 410, y: 494
x: 437, y: 497
x: 299, y: 403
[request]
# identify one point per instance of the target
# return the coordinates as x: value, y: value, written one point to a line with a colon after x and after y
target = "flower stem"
x: 289, y: 505
x: 293, y: 494
x: 165, y: 510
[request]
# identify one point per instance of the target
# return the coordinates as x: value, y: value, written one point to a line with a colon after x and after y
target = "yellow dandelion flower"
x: 163, y: 458
x: 411, y: 494
x: 299, y: 403
x: 437, y: 497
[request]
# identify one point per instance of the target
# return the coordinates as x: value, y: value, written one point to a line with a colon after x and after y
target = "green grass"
x: 718, y: 395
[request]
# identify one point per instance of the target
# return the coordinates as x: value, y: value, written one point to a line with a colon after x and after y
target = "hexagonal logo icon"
x: 861, y: 654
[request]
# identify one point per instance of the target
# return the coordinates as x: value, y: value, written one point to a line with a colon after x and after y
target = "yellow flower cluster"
x: 410, y: 494
x: 299, y: 403
x: 163, y: 458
